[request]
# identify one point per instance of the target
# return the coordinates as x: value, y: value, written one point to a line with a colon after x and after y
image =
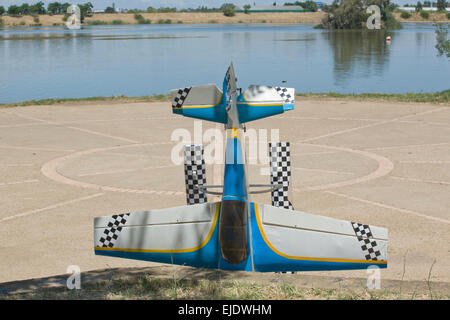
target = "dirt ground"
x: 385, y: 164
x: 207, y: 17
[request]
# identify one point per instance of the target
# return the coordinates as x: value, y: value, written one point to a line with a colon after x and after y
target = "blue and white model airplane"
x: 236, y: 233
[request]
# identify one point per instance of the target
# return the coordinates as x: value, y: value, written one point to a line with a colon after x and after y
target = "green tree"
x: 441, y: 5
x: 54, y: 8
x: 2, y: 10
x: 14, y: 10
x: 345, y: 14
x: 387, y: 8
x: 24, y: 9
x: 443, y: 41
x: 38, y: 8
x: 351, y: 14
x: 419, y: 6
x: 228, y: 9
x: 64, y: 7
x: 246, y: 8
x: 427, y: 4
x: 85, y: 10
x: 309, y: 6
x: 110, y: 10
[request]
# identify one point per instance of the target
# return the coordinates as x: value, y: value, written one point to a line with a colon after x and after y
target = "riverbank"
x: 442, y: 97
x: 198, y: 18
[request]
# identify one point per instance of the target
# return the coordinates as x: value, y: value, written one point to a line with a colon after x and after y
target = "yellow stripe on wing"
x: 307, y: 258
x: 211, y: 231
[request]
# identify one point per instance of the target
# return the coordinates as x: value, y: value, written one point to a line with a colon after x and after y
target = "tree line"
x: 440, y: 5
x: 39, y: 8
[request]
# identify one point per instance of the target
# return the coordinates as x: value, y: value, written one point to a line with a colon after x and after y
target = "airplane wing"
x: 282, y: 239
x: 287, y: 240
x: 204, y: 102
x: 258, y: 102
x: 179, y: 235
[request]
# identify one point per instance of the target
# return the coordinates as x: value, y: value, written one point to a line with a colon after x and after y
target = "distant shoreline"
x: 197, y: 18
x: 442, y: 97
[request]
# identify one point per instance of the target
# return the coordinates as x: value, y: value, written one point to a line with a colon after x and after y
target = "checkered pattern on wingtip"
x: 194, y: 173
x: 280, y: 173
x: 180, y: 97
x: 365, y: 238
x: 112, y: 231
x: 285, y: 95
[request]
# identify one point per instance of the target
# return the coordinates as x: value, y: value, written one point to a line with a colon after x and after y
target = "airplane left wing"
x: 287, y: 240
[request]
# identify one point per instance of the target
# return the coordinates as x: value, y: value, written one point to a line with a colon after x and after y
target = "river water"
x: 138, y: 60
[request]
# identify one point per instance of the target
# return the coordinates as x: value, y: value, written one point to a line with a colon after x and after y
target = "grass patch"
x: 166, y: 21
x: 405, y: 15
x: 118, y: 99
x: 424, y: 14
x: 96, y: 23
x: 147, y: 287
x: 434, y: 97
x: 116, y: 22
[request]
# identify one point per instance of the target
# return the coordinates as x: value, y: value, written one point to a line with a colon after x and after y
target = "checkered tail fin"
x: 194, y: 173
x: 280, y: 173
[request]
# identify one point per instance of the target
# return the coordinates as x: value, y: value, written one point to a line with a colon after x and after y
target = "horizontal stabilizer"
x: 200, y: 102
x: 258, y: 102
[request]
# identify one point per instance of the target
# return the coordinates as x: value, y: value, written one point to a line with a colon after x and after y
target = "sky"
x: 179, y: 4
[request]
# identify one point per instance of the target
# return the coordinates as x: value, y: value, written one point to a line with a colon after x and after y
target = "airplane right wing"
x: 185, y: 235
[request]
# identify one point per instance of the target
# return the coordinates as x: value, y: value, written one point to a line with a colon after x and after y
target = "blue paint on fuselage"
x: 234, y: 185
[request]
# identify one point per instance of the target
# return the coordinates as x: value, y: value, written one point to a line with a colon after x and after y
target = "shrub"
x: 228, y: 9
x: 405, y: 15
x: 162, y: 21
x: 96, y: 22
x: 424, y: 14
x: 448, y: 15
x: 1, y: 22
x: 36, y: 19
x: 141, y: 20
x: 118, y: 22
x: 229, y: 12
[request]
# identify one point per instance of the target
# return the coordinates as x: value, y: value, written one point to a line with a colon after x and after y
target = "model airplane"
x: 236, y: 233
